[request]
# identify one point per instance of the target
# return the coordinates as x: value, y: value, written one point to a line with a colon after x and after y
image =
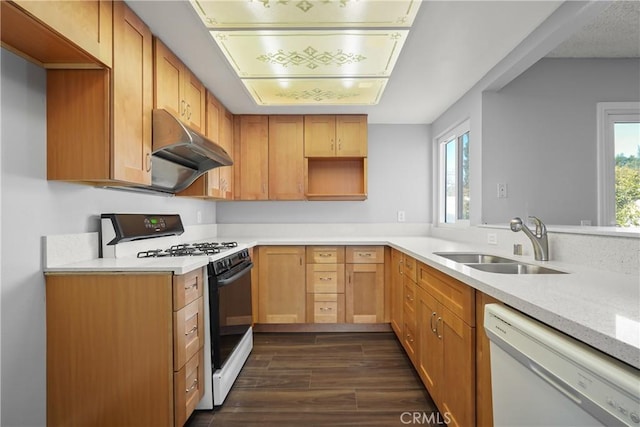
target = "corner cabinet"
x: 124, y: 349
x: 103, y: 137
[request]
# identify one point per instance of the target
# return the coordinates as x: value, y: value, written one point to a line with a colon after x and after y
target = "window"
x: 619, y: 164
x: 453, y: 184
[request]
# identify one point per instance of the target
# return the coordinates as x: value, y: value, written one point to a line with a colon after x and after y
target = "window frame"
x: 453, y: 133
x: 607, y: 113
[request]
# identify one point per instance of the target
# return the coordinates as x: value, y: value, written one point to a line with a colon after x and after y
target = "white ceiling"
x: 450, y: 47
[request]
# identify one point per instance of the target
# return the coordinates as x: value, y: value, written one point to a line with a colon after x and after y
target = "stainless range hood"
x: 180, y: 154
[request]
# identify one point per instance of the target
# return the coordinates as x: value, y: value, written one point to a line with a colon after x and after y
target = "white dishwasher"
x: 541, y: 377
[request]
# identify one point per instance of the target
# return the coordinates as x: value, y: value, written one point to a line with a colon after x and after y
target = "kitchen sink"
x: 496, y: 264
x: 473, y: 258
x: 515, y: 268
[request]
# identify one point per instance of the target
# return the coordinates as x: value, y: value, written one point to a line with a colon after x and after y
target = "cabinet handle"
x: 409, y: 338
x: 324, y: 254
x: 340, y: 146
x: 299, y: 187
x: 325, y: 279
x: 147, y: 162
x: 365, y: 254
x: 325, y: 309
x: 195, y: 328
x: 194, y: 285
x: 349, y: 276
x: 409, y: 298
x: 188, y: 111
x: 264, y: 188
x: 437, y: 330
x: 300, y: 260
x: 433, y: 329
x: 194, y: 384
x: 182, y: 108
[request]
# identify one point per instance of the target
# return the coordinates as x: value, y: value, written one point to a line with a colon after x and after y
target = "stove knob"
x: 220, y: 265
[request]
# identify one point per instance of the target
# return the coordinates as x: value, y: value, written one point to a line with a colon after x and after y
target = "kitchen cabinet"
x: 409, y: 326
x: 286, y: 165
x: 217, y: 182
x: 99, y: 121
x: 335, y: 136
x: 445, y: 311
x: 124, y: 349
x: 281, y: 281
x: 325, y: 284
x: 177, y: 89
x: 396, y: 293
x: 252, y: 157
x: 364, y: 288
x: 484, y: 401
x: 60, y: 34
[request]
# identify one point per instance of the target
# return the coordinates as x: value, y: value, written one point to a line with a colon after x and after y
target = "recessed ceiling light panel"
x: 315, y: 53
x: 219, y: 14
x: 316, y: 91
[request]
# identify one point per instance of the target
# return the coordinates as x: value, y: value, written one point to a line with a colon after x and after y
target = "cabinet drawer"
x: 409, y: 297
x: 453, y: 294
x: 365, y: 255
x: 325, y: 308
x: 188, y: 332
x: 188, y: 385
x: 325, y: 254
x: 187, y: 287
x: 410, y: 268
x: 325, y: 278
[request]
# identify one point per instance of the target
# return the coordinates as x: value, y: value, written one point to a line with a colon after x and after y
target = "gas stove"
x: 189, y: 249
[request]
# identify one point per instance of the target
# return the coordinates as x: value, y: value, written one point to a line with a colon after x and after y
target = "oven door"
x: 231, y: 315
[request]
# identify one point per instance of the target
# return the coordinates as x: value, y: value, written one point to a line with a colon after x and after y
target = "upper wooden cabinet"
x: 286, y: 166
x: 104, y: 136
x: 335, y: 136
x: 177, y: 89
x: 59, y: 34
x: 252, y: 156
x: 216, y: 183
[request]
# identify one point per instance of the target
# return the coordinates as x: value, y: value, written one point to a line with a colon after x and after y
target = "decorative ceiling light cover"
x: 310, y: 46
x: 316, y: 91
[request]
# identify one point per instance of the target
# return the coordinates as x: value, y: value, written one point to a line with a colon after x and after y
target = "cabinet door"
x: 351, y: 136
x: 286, y: 158
x: 364, y: 294
x: 429, y: 355
x: 168, y: 80
x: 132, y: 97
x: 87, y: 24
x: 459, y: 375
x: 319, y: 136
x: 213, y: 121
x: 484, y: 401
x: 195, y: 99
x: 281, y: 284
x: 396, y: 294
x: 226, y: 142
x: 254, y: 157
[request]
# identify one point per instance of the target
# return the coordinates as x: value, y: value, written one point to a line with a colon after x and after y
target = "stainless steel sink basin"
x: 473, y: 258
x: 496, y: 264
x: 515, y: 268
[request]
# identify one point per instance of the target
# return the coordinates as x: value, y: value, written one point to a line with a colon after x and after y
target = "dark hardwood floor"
x: 322, y: 379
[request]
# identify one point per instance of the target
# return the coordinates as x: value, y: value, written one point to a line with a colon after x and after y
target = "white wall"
x: 31, y: 208
x: 539, y: 137
x: 399, y: 163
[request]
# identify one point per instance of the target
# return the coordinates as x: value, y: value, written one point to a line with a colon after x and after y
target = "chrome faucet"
x: 538, y: 239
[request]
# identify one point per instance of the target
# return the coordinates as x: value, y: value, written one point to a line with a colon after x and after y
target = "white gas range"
x: 228, y: 316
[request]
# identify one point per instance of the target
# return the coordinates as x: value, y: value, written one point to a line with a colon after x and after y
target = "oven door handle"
x: 239, y: 274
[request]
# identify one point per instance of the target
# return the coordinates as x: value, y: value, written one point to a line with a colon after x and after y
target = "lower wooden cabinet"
x: 325, y: 284
x: 364, y: 288
x: 117, y: 353
x: 396, y: 293
x: 281, y: 281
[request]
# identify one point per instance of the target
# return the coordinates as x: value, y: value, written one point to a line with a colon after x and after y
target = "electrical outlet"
x: 492, y: 238
x: 400, y: 216
x: 199, y: 217
x: 502, y: 191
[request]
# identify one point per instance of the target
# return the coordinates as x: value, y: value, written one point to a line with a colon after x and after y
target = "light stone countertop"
x: 599, y: 308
